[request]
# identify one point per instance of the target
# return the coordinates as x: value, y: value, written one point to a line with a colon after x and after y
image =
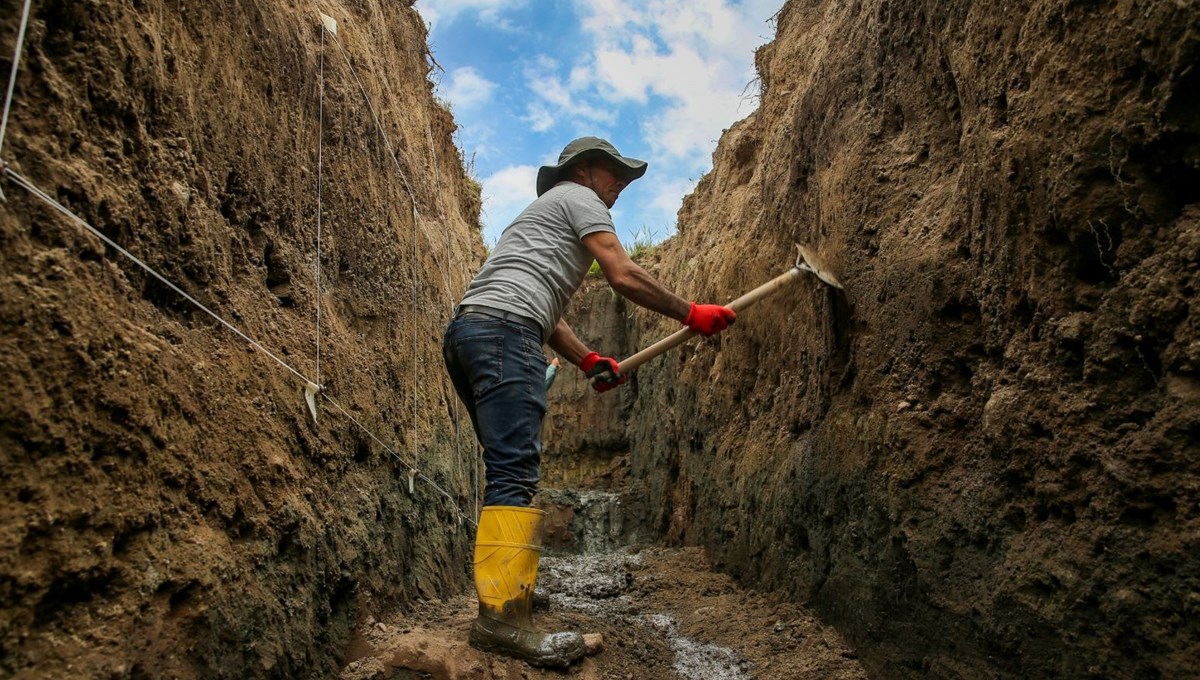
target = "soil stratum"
x: 979, y: 460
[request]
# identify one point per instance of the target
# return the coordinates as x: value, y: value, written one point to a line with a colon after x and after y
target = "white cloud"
x: 604, y: 16
x: 668, y: 195
x: 567, y: 100
x: 695, y: 55
x: 437, y: 12
x: 539, y: 119
x: 506, y: 193
x: 467, y: 88
x: 550, y: 89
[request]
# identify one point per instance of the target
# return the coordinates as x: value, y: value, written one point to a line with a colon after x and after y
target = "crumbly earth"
x: 168, y: 507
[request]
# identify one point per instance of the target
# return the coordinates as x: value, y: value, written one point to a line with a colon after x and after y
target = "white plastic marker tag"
x: 310, y: 396
x: 412, y: 475
x: 330, y: 23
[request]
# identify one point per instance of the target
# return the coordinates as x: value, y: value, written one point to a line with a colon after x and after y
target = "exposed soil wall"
x: 982, y: 460
x: 168, y: 508
x: 585, y: 436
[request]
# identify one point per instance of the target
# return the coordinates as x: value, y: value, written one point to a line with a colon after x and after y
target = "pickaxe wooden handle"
x: 806, y: 261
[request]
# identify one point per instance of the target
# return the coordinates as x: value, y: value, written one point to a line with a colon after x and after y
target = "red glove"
x: 709, y: 319
x: 602, y: 370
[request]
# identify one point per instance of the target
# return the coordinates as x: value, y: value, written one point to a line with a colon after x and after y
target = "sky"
x: 660, y: 79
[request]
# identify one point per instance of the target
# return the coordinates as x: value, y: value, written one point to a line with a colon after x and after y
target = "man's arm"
x: 602, y: 370
x: 564, y: 341
x: 630, y: 280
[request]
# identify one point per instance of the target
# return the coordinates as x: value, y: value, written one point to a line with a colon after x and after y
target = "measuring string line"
x: 320, y: 178
x: 396, y: 161
x: 398, y: 457
x: 12, y: 78
x: 21, y: 181
x: 444, y: 268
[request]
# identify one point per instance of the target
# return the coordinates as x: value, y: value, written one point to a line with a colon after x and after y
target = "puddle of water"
x: 597, y: 578
x: 699, y: 660
x: 593, y: 584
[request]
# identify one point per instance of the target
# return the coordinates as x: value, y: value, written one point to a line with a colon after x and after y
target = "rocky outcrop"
x: 169, y: 507
x: 981, y: 461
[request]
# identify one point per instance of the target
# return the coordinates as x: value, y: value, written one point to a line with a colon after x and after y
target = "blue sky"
x: 660, y: 79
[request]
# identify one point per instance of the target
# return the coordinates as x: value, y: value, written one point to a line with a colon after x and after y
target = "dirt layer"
x: 766, y: 638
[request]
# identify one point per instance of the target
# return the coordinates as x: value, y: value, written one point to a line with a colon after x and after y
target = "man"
x: 493, y: 352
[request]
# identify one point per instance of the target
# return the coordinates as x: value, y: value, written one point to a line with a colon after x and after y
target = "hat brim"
x: 549, y: 175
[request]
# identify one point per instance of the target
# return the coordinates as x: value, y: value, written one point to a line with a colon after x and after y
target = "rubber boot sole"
x: 544, y: 650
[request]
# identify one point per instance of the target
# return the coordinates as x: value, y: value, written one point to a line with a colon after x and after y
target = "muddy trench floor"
x: 663, y: 614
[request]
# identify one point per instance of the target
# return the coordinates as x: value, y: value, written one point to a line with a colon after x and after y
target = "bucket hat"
x: 582, y: 149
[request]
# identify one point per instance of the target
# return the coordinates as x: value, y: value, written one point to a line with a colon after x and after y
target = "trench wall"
x: 168, y: 507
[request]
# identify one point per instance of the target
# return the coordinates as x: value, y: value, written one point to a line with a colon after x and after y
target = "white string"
x: 398, y: 457
x: 12, y: 78
x: 21, y: 181
x: 417, y: 226
x: 24, y: 183
x: 412, y: 196
x: 416, y: 223
x: 473, y: 476
x: 320, y: 177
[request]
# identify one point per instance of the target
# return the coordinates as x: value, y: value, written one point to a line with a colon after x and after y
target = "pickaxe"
x: 806, y: 261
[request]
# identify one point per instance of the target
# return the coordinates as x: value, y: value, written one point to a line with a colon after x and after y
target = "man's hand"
x: 602, y: 370
x: 709, y: 319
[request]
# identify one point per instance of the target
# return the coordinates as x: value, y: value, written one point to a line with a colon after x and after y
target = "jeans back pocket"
x: 481, y: 358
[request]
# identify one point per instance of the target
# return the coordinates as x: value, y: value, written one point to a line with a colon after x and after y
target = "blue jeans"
x: 499, y: 371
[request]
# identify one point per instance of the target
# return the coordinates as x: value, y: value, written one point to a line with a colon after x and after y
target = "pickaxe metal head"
x: 807, y: 260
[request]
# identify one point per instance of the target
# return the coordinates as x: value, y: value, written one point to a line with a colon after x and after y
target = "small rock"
x: 382, y: 627
x: 592, y: 643
x: 903, y: 406
x: 779, y: 627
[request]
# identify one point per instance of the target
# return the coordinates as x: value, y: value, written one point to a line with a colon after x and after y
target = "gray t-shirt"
x: 540, y: 259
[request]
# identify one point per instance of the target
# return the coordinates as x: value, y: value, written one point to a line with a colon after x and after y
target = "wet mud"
x: 662, y: 611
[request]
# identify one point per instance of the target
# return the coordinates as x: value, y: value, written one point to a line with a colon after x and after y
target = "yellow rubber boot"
x: 508, y: 545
